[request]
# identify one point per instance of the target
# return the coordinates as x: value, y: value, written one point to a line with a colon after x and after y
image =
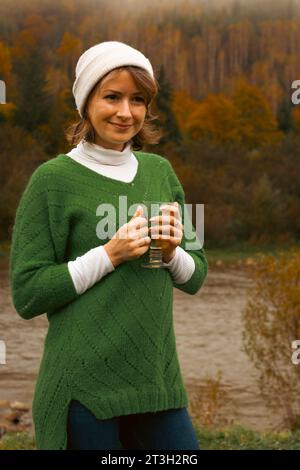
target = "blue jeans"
x: 163, y: 430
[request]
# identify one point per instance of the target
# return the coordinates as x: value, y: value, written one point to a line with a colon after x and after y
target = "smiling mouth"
x: 119, y: 126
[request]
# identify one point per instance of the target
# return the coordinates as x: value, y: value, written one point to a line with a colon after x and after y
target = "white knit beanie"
x: 100, y: 59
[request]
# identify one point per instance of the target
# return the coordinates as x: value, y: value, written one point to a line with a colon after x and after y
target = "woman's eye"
x: 139, y: 98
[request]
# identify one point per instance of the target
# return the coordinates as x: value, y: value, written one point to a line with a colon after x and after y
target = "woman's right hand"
x: 130, y: 241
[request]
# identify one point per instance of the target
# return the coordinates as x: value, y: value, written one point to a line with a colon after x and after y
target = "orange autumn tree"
x: 242, y: 117
x: 182, y: 106
x: 256, y: 123
x: 216, y: 118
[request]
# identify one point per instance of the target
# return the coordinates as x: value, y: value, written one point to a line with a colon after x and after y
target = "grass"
x: 241, y: 251
x: 17, y: 441
x: 239, y: 438
x: 233, y: 438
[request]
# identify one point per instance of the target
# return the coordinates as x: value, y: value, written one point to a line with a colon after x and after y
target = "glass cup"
x: 154, y: 253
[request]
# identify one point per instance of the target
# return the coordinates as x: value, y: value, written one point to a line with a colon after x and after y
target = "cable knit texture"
x: 113, y: 347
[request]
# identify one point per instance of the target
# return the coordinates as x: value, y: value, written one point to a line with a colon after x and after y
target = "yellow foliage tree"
x: 256, y: 124
x: 242, y: 117
x: 216, y: 118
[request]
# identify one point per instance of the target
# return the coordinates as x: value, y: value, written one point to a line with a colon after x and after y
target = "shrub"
x: 271, y: 323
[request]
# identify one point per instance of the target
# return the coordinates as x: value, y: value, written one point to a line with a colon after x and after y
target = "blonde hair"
x: 148, y: 134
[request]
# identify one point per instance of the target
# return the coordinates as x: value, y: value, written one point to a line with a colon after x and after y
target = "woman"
x: 109, y: 375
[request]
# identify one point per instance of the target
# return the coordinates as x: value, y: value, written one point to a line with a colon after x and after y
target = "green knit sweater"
x: 113, y: 347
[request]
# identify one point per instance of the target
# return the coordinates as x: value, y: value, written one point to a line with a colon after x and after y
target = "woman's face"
x: 116, y: 100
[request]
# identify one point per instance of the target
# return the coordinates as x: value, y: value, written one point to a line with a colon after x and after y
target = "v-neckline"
x: 89, y: 171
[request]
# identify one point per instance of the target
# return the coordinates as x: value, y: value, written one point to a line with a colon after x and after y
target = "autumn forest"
x: 225, y: 73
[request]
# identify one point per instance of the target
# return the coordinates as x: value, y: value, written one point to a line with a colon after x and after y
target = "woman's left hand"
x: 169, y: 228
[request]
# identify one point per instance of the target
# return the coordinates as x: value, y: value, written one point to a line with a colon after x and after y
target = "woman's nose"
x: 124, y: 109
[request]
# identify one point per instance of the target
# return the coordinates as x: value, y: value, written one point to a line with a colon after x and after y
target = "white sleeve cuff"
x: 89, y: 268
x: 181, y: 267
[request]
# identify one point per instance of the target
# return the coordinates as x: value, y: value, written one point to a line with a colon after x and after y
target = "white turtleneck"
x: 89, y: 268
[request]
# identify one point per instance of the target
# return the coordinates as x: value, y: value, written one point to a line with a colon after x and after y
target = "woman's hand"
x: 130, y: 241
x: 169, y: 228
